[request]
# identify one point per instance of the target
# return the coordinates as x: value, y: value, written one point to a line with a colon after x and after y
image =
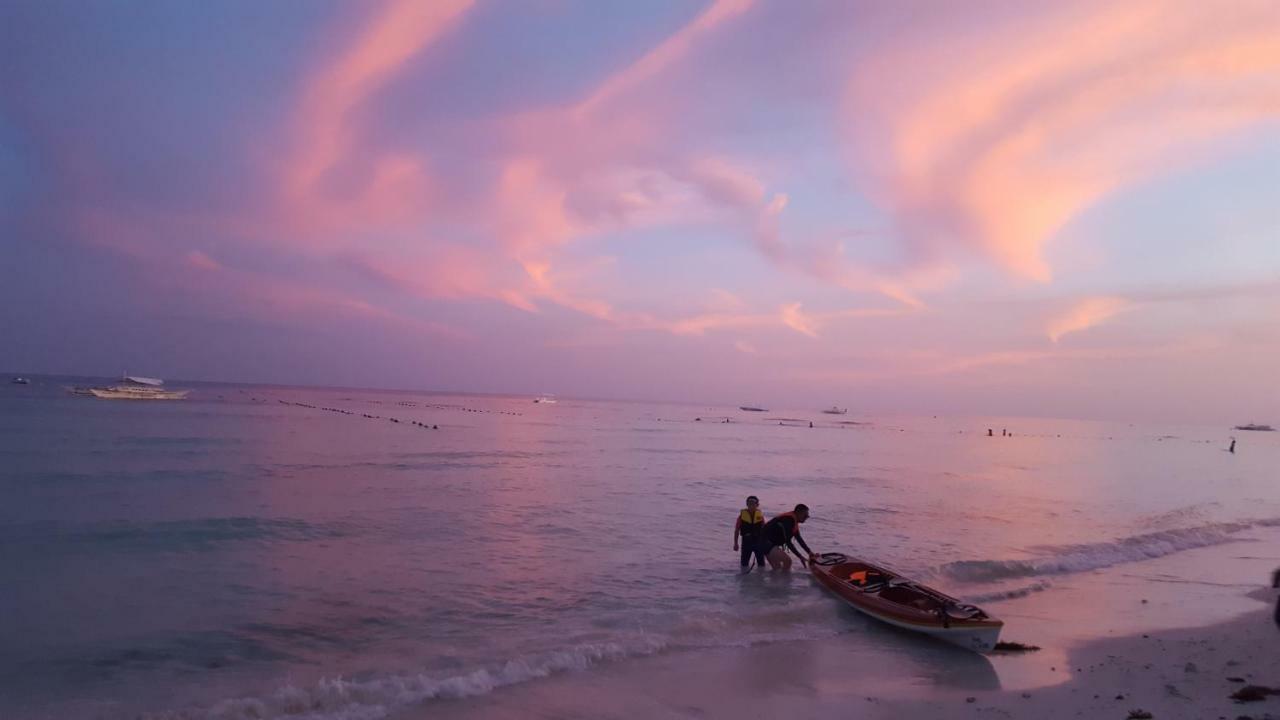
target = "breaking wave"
x: 377, y: 697
x: 1092, y: 556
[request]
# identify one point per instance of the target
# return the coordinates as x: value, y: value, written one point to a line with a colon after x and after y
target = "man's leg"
x: 777, y: 558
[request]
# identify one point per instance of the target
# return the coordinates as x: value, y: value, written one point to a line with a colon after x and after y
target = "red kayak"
x: 889, y: 597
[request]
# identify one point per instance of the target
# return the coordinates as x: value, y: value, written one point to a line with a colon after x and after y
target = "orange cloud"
x: 798, y: 321
x: 1084, y: 315
x: 1047, y: 115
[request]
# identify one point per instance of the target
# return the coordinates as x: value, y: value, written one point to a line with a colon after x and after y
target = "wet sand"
x: 1113, y: 642
x: 1170, y: 674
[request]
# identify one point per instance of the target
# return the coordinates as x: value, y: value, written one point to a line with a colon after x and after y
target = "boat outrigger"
x: 891, y: 598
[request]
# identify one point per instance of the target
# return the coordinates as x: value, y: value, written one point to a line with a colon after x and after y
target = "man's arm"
x: 737, y: 528
x: 802, y: 542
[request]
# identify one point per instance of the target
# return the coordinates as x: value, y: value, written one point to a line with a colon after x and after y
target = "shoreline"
x: 1178, y: 673
x: 1138, y: 636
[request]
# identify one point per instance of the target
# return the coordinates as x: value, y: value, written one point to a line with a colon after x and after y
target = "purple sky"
x: 991, y: 207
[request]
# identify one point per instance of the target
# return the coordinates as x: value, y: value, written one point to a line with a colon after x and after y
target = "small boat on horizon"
x: 901, y: 602
x: 752, y: 408
x: 133, y: 387
x: 20, y: 381
x: 545, y: 400
x: 833, y: 410
x: 1256, y: 427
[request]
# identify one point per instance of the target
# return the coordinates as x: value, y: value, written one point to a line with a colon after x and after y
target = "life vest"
x: 750, y: 524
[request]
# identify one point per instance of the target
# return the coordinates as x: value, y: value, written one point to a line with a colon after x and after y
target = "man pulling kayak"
x: 779, y: 533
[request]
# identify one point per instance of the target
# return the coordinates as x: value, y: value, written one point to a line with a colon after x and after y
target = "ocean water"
x: 262, y: 552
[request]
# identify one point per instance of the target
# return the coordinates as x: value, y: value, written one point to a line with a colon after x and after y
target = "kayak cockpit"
x: 863, y: 576
x: 889, y: 587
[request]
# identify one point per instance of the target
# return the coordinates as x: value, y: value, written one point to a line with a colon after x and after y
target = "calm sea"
x: 272, y: 552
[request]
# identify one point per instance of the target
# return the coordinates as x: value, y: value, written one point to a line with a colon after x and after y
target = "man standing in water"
x: 749, y: 525
x: 780, y: 532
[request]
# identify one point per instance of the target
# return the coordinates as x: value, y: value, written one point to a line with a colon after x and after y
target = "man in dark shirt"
x: 779, y: 533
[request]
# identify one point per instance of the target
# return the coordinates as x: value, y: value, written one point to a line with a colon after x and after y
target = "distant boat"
x: 132, y: 387
x: 79, y: 390
x: 752, y: 408
x: 20, y: 381
x: 1255, y: 426
x: 833, y: 410
x: 545, y: 400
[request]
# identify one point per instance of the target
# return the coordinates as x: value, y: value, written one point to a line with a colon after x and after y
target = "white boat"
x: 20, y: 381
x: 833, y: 410
x: 545, y: 400
x: 1256, y: 427
x: 133, y: 387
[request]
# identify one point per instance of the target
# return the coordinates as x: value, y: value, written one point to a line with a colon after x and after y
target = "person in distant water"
x: 783, y: 531
x: 1232, y: 449
x: 749, y: 525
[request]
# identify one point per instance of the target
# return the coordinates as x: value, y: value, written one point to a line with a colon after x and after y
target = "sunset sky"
x: 1031, y: 208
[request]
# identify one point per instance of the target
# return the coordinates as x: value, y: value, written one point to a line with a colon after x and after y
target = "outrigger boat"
x: 132, y: 387
x: 891, y: 598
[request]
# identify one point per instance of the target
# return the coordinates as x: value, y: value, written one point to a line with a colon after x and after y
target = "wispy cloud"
x: 793, y: 318
x: 1051, y: 111
x: 1085, y: 314
x: 325, y: 129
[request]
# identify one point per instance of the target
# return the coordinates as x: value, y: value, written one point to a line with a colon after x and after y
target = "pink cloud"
x: 1049, y: 113
x: 665, y: 54
x: 326, y: 136
x: 198, y: 259
x: 793, y: 318
x: 1085, y: 314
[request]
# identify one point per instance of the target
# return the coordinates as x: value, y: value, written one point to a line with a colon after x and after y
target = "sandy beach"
x: 1188, y: 673
x: 1089, y: 665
